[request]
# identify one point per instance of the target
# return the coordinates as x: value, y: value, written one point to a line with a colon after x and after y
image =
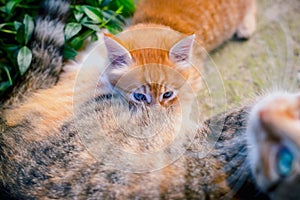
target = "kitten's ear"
x: 117, y: 54
x: 181, y: 52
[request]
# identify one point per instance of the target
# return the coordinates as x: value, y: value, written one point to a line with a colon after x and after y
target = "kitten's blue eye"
x: 139, y: 96
x: 285, y: 160
x: 168, y: 95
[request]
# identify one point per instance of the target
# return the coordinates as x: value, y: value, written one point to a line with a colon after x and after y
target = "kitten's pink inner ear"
x: 182, y: 51
x: 117, y: 54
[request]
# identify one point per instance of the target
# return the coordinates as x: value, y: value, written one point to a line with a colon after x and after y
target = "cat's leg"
x: 274, y: 145
x: 246, y: 29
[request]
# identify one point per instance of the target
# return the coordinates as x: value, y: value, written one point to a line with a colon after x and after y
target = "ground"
x: 239, y: 70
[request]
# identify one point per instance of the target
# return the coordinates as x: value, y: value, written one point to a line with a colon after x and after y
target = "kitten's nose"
x: 156, y: 108
x: 156, y: 105
x: 154, y: 101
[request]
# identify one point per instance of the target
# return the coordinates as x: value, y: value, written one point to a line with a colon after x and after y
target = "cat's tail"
x: 47, y: 46
x: 48, y: 41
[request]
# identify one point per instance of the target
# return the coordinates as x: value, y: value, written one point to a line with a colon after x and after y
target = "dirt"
x: 270, y: 60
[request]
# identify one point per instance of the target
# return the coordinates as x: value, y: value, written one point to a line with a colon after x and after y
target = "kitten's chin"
x: 143, y: 140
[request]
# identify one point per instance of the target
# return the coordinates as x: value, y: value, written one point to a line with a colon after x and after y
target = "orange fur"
x: 58, y: 104
x: 213, y: 21
x: 152, y: 68
x: 286, y: 111
x: 55, y: 105
x: 52, y: 113
x: 48, y: 104
x: 159, y: 27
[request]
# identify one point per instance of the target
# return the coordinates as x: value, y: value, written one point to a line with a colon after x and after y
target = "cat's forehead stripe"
x: 150, y: 55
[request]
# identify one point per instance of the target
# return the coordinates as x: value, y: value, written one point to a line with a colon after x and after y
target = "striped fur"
x: 43, y: 154
x: 46, y: 45
x: 154, y: 74
x: 56, y: 164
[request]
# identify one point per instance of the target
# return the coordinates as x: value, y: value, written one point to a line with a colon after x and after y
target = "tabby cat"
x: 273, y: 138
x: 153, y: 67
x: 55, y: 145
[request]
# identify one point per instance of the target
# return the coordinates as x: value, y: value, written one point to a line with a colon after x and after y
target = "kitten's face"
x: 153, y: 76
x: 274, y: 145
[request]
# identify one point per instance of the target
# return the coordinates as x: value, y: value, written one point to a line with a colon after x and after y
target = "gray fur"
x: 47, y: 45
x: 59, y: 166
x: 56, y: 168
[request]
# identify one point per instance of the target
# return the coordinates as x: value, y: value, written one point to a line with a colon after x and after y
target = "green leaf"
x: 11, y: 5
x: 79, y: 8
x: 105, y: 3
x: 8, y: 75
x: 92, y: 3
x: 127, y: 6
x: 16, y: 30
x: 120, y: 19
x: 93, y: 13
x: 69, y: 52
x: 94, y: 37
x: 114, y: 28
x: 3, y: 9
x: 4, y: 86
x: 77, y: 43
x: 78, y: 15
x: 17, y: 25
x: 20, y: 35
x: 10, y: 47
x: 100, y: 2
x: 28, y: 28
x: 111, y: 16
x: 8, y: 25
x: 87, y: 20
x: 107, y: 14
x: 72, y: 29
x: 2, y: 25
x: 92, y: 27
x: 24, y: 59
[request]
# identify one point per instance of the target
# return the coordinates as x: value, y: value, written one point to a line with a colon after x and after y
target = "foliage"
x: 17, y: 25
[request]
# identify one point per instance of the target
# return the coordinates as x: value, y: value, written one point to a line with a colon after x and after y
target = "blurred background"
x: 269, y: 61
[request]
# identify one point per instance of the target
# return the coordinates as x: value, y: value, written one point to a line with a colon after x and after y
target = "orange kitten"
x: 155, y: 63
x: 153, y: 75
x: 274, y: 145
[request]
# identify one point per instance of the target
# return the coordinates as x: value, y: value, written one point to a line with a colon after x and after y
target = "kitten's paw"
x: 247, y: 27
